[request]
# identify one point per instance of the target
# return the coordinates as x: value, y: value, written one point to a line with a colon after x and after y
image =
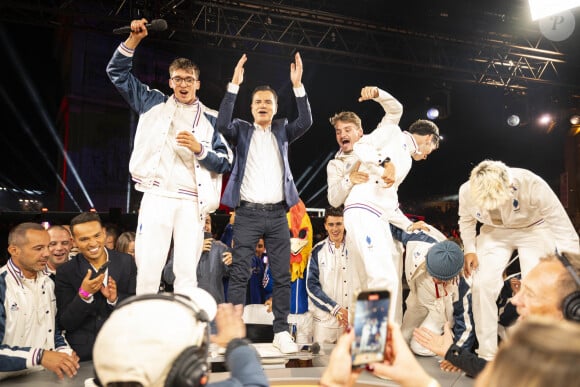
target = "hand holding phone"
x: 207, y: 241
x: 102, y: 269
x: 370, y: 327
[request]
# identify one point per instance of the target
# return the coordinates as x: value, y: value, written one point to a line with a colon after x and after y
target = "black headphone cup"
x: 571, y: 306
x: 190, y: 368
x: 202, y: 316
x: 571, y: 303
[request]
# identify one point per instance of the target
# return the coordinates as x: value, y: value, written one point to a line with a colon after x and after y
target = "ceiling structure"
x: 490, y: 48
x: 492, y: 43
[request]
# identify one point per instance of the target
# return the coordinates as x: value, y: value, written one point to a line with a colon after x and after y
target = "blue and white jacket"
x: 156, y: 112
x: 328, y: 279
x: 457, y: 296
x: 27, y: 321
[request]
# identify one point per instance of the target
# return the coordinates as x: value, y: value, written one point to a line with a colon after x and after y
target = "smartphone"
x: 207, y: 235
x: 102, y: 269
x: 370, y: 327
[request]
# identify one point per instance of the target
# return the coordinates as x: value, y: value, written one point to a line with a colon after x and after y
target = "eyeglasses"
x: 188, y: 81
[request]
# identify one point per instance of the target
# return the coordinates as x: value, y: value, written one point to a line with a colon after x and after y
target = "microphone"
x: 155, y: 25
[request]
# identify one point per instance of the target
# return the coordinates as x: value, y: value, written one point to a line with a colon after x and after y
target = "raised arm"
x: 296, y: 70
x: 224, y: 122
x: 138, y: 95
x: 303, y: 122
x: 138, y: 33
x: 372, y: 148
x: 393, y: 108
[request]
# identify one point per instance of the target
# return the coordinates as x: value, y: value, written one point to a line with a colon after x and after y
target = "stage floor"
x: 304, y: 371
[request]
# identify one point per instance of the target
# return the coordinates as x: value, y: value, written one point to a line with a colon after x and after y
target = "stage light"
x: 575, y: 119
x: 545, y: 119
x: 35, y: 99
x: 513, y: 120
x: 543, y: 8
x: 433, y: 113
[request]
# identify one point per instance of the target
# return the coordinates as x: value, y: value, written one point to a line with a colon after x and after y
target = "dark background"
x: 55, y: 86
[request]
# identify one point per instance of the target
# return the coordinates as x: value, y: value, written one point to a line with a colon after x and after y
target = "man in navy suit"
x: 85, y: 295
x: 261, y: 189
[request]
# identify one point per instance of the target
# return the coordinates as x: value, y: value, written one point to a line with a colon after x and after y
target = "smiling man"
x: 261, y: 188
x: 365, y: 175
x: 177, y: 162
x: 59, y: 248
x: 90, y: 285
x: 30, y: 340
x: 328, y: 281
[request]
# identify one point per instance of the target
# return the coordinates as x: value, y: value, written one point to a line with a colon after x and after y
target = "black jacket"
x: 81, y: 321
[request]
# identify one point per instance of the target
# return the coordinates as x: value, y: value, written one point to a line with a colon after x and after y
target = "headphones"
x: 190, y: 368
x: 571, y: 303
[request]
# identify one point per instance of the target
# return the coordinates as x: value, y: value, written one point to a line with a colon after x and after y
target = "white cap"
x: 204, y: 301
x: 141, y: 339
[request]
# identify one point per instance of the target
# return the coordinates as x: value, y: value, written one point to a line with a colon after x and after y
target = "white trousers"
x: 160, y: 218
x: 371, y: 251
x: 425, y: 311
x: 326, y: 329
x: 494, y: 249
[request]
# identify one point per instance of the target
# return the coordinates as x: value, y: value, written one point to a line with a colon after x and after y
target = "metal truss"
x: 515, y: 61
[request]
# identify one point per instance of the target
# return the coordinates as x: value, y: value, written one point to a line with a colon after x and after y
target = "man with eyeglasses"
x: 177, y: 162
x: 365, y: 175
x: 519, y: 211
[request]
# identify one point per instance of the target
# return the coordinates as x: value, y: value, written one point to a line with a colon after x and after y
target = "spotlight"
x: 575, y: 119
x: 543, y: 8
x: 513, y: 120
x: 544, y: 119
x: 433, y: 113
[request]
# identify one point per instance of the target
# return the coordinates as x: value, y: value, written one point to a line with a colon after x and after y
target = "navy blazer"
x: 239, y: 133
x: 80, y: 320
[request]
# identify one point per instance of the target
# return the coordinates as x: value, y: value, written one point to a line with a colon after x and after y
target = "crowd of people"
x: 60, y: 307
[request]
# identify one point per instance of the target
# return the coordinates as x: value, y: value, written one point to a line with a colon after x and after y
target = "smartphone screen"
x: 370, y: 327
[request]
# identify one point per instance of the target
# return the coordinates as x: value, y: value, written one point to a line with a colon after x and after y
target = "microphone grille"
x: 158, y: 25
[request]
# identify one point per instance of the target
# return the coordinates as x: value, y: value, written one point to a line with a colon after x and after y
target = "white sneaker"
x: 284, y: 342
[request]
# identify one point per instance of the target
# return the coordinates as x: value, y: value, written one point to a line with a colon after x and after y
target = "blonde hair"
x: 489, y: 184
x: 346, y: 117
x: 541, y: 352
